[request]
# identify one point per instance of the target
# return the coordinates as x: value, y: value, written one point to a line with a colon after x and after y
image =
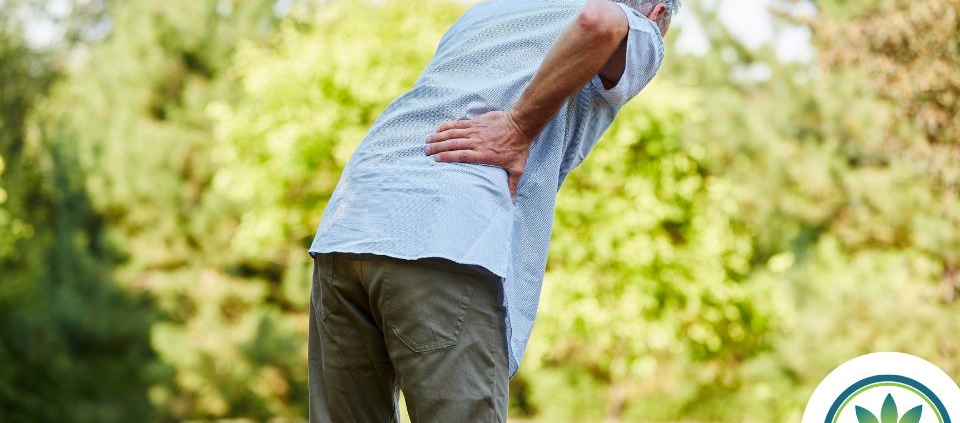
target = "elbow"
x: 602, y: 20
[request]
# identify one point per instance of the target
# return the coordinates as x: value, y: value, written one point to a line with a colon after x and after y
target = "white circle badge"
x: 885, y: 387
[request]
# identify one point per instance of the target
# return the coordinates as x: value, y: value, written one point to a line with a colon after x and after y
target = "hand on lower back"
x: 492, y: 138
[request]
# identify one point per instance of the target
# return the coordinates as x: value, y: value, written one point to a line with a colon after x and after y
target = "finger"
x: 460, y: 156
x: 453, y: 124
x: 448, y: 134
x: 448, y: 145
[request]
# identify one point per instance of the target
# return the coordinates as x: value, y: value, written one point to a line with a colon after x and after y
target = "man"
x: 431, y: 252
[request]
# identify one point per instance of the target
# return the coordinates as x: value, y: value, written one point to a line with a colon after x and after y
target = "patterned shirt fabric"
x: 394, y: 200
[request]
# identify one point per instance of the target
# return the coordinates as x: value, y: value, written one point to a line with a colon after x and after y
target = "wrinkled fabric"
x: 394, y: 200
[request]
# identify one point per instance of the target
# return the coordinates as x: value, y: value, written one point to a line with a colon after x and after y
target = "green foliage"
x: 74, y: 346
x: 308, y: 98
x: 135, y: 111
x: 728, y: 243
x: 904, y: 53
x: 645, y: 278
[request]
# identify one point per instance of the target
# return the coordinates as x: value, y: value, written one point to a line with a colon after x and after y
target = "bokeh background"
x: 782, y: 198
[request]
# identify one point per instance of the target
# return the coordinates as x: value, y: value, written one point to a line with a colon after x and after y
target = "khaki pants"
x: 431, y: 328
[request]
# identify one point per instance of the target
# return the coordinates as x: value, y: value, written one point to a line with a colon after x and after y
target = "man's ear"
x: 657, y: 13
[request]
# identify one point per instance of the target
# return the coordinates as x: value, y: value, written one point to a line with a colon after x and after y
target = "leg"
x: 445, y: 330
x: 351, y: 376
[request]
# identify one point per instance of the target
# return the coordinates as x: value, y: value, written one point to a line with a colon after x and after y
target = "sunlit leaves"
x: 645, y: 265
x: 308, y: 98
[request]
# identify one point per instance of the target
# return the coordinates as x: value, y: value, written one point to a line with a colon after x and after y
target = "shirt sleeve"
x: 643, y: 58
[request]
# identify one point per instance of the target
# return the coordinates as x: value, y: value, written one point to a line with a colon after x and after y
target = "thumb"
x: 513, y: 181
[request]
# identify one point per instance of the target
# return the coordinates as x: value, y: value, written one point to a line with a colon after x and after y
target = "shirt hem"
x: 500, y: 273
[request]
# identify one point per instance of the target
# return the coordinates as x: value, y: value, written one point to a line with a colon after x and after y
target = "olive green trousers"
x: 431, y: 328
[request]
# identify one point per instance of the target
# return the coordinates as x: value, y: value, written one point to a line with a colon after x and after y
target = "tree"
x: 75, y: 346
x: 646, y: 283
x: 907, y: 53
x: 134, y: 108
x: 310, y: 95
x: 852, y: 234
x: 745, y: 226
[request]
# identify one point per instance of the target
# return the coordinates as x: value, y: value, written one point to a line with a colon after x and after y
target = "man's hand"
x: 492, y: 138
x: 503, y: 138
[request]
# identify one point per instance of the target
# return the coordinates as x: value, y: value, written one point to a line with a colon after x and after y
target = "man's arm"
x: 503, y: 138
x: 579, y: 53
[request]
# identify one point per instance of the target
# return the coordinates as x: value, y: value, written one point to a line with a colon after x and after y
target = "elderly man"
x: 430, y: 255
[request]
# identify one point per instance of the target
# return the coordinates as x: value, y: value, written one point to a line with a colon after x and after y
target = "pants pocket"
x: 427, y: 303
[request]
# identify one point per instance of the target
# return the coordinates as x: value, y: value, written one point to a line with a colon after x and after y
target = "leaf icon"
x: 912, y: 416
x: 888, y: 413
x: 865, y: 416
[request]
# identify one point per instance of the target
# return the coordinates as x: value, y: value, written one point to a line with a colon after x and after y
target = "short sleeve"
x: 643, y: 58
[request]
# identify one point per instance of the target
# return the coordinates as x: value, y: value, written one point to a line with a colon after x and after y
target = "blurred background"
x: 782, y: 198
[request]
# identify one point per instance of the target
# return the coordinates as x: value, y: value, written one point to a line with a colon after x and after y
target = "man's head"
x: 658, y: 11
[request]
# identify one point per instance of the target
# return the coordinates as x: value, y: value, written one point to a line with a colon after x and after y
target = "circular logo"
x: 885, y: 387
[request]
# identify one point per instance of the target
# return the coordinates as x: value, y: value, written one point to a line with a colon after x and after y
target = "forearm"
x: 579, y: 54
x: 502, y: 138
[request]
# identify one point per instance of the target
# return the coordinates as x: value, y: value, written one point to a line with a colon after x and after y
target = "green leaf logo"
x: 888, y: 413
x: 912, y: 416
x: 865, y: 416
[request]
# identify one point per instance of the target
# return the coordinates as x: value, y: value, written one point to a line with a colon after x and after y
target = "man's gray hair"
x: 644, y: 6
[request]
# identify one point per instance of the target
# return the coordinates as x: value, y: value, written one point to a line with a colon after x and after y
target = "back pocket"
x: 427, y: 302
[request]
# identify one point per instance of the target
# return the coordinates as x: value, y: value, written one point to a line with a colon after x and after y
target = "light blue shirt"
x: 396, y: 201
